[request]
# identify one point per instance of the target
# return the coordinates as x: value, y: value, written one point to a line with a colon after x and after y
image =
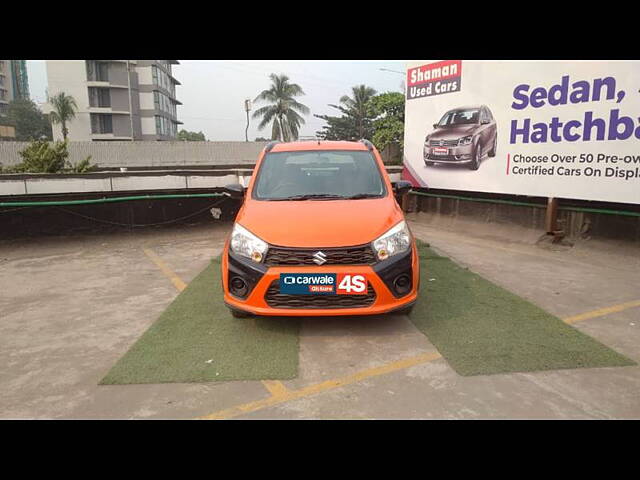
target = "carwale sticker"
x: 323, y: 284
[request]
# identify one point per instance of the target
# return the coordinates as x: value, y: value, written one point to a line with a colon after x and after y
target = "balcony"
x: 108, y: 110
x: 104, y: 84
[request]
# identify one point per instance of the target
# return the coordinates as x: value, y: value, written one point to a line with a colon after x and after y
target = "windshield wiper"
x: 363, y: 195
x: 310, y: 196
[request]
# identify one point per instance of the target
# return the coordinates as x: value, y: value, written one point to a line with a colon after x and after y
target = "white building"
x: 117, y: 99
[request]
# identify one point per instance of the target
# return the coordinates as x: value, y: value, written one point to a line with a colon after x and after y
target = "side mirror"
x: 435, y: 125
x: 485, y: 121
x: 401, y: 187
x: 235, y: 190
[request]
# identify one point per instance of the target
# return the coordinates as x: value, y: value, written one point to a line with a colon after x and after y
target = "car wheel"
x: 239, y: 313
x: 475, y: 163
x: 492, y: 152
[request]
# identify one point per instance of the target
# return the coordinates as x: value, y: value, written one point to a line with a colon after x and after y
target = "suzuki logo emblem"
x: 319, y: 258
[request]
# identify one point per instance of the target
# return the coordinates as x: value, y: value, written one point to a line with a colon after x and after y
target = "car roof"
x: 468, y: 107
x: 317, y: 145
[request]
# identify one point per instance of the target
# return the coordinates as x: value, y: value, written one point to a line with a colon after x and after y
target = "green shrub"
x: 83, y: 166
x: 42, y: 156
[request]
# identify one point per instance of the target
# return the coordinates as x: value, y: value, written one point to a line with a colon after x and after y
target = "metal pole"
x: 130, y: 103
x: 551, y: 219
x: 247, y: 107
x: 246, y: 130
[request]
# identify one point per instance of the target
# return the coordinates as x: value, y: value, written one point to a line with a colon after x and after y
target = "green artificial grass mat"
x: 481, y: 328
x: 197, y: 340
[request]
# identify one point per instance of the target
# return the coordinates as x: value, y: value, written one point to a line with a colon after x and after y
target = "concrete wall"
x: 121, y: 125
x: 118, y: 74
x: 149, y: 154
x: 119, y: 99
x: 576, y: 225
x: 115, y: 181
x: 41, y: 221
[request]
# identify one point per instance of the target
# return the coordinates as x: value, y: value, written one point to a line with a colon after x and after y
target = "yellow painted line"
x: 280, y: 394
x: 322, y: 386
x: 602, y: 311
x: 275, y: 387
x: 175, y: 279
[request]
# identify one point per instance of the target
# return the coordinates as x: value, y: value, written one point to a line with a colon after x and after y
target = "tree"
x: 388, y: 125
x: 64, y: 110
x: 380, y: 119
x: 188, y: 136
x: 356, y: 119
x: 338, y: 128
x: 358, y: 106
x: 30, y: 122
x: 283, y: 108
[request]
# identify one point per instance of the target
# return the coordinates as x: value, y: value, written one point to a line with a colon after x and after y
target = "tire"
x: 475, y: 163
x: 239, y: 313
x: 492, y: 152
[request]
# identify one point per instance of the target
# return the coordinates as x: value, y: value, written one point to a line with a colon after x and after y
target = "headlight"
x: 394, y: 241
x: 465, y: 140
x: 245, y: 243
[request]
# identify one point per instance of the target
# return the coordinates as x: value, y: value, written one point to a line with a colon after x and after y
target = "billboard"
x: 567, y: 129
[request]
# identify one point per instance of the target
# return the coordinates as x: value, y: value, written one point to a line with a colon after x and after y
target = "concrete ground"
x: 70, y: 307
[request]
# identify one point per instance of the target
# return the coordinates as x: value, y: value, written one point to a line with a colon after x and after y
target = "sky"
x: 213, y: 92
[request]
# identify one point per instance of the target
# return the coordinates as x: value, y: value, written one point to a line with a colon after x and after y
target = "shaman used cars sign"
x: 568, y: 129
x: 434, y: 79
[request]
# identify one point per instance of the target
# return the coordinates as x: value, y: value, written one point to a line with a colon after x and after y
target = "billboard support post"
x: 405, y: 202
x: 551, y: 219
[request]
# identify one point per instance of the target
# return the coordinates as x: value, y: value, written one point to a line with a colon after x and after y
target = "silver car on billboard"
x: 463, y: 136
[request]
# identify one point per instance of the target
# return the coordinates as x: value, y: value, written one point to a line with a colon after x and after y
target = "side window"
x: 483, y: 115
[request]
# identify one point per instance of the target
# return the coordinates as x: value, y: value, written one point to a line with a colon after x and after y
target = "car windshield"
x: 460, y: 117
x: 308, y: 175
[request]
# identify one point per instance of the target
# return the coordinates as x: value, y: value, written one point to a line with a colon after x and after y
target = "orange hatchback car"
x: 320, y: 233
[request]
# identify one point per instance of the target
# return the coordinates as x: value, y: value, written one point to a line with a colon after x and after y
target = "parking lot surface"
x: 70, y: 307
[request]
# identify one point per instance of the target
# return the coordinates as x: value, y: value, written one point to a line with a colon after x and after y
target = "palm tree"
x: 64, y: 110
x: 283, y: 108
x: 357, y: 106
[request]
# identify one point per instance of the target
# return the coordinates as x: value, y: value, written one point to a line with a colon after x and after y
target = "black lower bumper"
x: 250, y: 272
x: 395, y: 268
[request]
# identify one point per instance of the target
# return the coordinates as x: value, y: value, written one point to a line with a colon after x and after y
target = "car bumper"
x: 458, y: 154
x: 378, y: 276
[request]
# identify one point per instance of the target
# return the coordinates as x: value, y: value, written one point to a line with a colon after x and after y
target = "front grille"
x: 275, y: 299
x: 445, y: 143
x: 359, y: 255
x: 447, y: 158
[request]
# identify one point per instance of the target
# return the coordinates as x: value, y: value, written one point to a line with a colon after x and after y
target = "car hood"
x: 320, y: 223
x: 451, y: 133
